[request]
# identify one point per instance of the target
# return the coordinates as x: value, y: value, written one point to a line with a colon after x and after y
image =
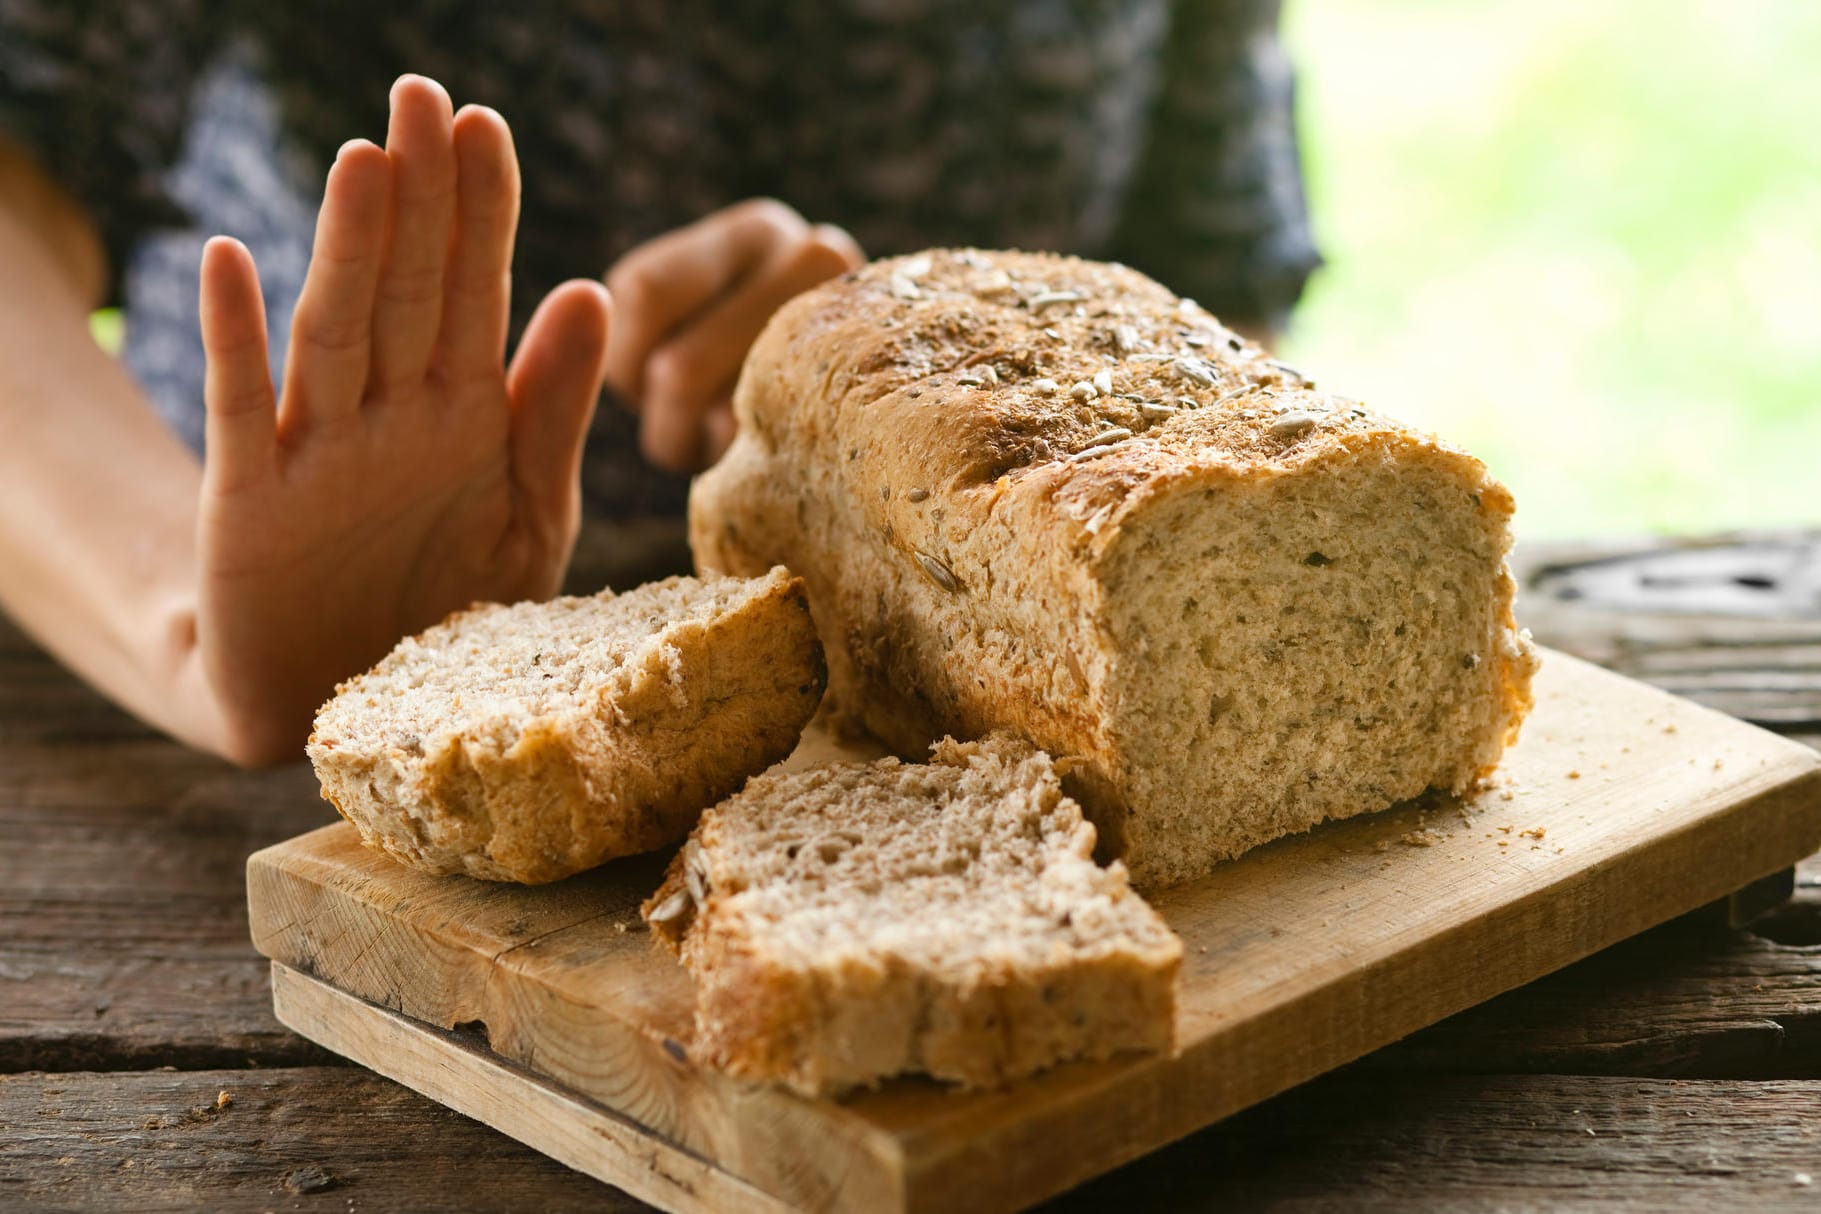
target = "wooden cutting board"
x: 1621, y: 807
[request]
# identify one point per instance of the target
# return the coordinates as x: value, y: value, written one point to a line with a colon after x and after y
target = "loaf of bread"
x: 1035, y: 493
x: 530, y: 742
x: 857, y: 921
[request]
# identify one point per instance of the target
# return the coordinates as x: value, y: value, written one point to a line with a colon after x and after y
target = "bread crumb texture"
x: 858, y: 921
x: 532, y: 741
x: 1040, y: 494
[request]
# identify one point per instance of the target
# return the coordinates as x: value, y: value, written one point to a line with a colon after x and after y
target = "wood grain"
x: 123, y: 931
x: 1301, y: 956
x: 306, y: 1138
x: 1353, y: 1140
x: 470, y: 1078
x: 1356, y: 1142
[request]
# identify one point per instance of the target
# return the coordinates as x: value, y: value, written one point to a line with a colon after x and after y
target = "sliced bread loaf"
x: 857, y: 921
x: 530, y: 742
x: 1040, y: 494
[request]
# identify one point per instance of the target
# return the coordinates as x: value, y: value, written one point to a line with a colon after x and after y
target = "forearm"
x: 98, y: 499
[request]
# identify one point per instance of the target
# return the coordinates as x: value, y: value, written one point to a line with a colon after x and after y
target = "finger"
x: 697, y: 367
x: 478, y: 296
x: 332, y: 330
x: 408, y: 310
x: 553, y: 385
x: 240, y: 429
x: 663, y: 282
x: 837, y: 241
x: 718, y: 431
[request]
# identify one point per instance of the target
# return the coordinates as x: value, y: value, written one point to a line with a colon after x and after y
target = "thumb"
x: 553, y: 385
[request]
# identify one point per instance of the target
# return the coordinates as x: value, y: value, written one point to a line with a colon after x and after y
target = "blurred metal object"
x: 1732, y: 621
x: 1770, y: 576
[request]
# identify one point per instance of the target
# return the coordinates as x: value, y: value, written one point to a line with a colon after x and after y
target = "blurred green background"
x: 1581, y: 238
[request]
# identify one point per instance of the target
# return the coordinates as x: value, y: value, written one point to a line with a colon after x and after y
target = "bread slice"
x: 1041, y: 494
x: 530, y: 742
x: 857, y: 921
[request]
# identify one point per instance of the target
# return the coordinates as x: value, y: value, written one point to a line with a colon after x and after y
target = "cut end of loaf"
x: 532, y: 741
x: 854, y: 922
x: 1314, y: 645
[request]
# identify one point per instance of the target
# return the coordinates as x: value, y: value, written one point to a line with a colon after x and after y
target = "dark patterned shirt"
x: 1155, y: 132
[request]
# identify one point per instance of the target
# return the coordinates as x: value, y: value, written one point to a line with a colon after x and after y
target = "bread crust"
x: 957, y: 449
x: 695, y: 710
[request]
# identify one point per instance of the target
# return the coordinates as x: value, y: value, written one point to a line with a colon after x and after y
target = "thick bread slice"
x: 530, y: 742
x: 858, y: 921
x: 1035, y: 493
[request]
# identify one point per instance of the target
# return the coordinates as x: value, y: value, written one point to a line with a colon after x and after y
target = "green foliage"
x: 1581, y: 239
x: 108, y: 329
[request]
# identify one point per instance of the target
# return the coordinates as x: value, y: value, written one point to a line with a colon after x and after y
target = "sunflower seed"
x: 670, y: 909
x: 1291, y: 424
x: 904, y: 288
x: 1050, y: 299
x: 1156, y: 410
x: 1048, y: 387
x: 1194, y: 369
x: 939, y: 573
x: 1116, y: 434
x: 917, y: 495
x: 1084, y: 391
x: 1087, y: 453
x: 1103, y: 383
x: 694, y: 878
x: 1125, y: 338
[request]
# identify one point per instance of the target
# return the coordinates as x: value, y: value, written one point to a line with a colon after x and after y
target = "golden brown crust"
x: 676, y: 730
x: 951, y: 449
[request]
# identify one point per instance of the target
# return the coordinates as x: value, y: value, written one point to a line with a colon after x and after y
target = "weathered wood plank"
x: 123, y: 930
x: 1689, y: 999
x: 309, y: 1138
x: 1355, y: 1139
x: 1365, y: 1142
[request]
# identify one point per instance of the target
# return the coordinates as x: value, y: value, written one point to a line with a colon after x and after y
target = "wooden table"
x: 141, y: 1068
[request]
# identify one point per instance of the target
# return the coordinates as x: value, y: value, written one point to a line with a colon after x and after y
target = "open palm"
x: 404, y: 471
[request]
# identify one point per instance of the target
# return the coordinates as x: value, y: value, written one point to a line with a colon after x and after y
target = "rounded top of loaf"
x: 1007, y: 364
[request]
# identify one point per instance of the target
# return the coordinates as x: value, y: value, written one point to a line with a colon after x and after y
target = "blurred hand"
x: 688, y: 306
x: 404, y: 471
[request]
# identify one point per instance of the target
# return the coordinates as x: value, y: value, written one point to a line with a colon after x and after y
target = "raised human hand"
x: 404, y: 471
x: 689, y: 304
